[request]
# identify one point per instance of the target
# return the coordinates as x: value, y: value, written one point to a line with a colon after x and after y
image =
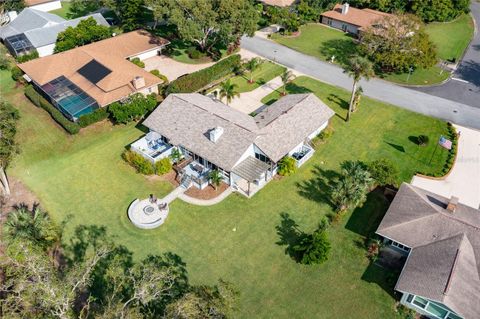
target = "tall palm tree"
x: 357, y: 68
x: 215, y: 178
x: 251, y: 66
x: 228, y: 91
x: 287, y: 77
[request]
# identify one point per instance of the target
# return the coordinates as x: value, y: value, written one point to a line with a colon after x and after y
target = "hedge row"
x: 195, y: 81
x: 94, y: 117
x: 38, y: 100
x: 144, y: 166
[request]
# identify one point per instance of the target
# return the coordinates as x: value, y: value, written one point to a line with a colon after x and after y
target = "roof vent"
x: 138, y: 82
x: 214, y: 134
x: 452, y: 204
x: 345, y: 7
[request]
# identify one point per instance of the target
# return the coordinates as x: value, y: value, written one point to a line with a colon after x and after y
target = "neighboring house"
x: 351, y: 20
x: 278, y: 3
x: 44, y: 5
x: 36, y: 30
x: 245, y: 149
x: 441, y: 237
x: 80, y: 80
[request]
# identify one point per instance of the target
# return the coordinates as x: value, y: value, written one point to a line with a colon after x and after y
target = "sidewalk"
x: 464, y: 179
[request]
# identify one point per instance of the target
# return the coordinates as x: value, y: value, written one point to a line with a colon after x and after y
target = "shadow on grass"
x: 340, y: 102
x: 342, y: 49
x: 289, y: 235
x: 399, y: 148
x: 318, y: 188
x: 383, y: 277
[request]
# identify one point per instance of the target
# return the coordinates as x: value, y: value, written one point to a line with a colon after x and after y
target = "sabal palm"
x: 352, y: 186
x: 357, y: 68
x: 251, y: 66
x: 286, y: 77
x: 228, y: 91
x: 215, y: 178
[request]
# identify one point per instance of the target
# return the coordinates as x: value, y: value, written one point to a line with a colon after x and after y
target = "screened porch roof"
x: 251, y: 169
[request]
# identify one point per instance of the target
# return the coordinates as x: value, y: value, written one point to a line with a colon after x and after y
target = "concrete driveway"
x: 249, y: 102
x: 170, y: 68
x: 464, y: 179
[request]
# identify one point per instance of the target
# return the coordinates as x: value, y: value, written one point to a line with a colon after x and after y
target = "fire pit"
x: 148, y: 210
x: 144, y: 214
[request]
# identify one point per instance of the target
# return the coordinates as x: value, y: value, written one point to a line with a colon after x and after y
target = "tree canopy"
x: 314, y: 248
x: 87, y: 31
x: 8, y: 129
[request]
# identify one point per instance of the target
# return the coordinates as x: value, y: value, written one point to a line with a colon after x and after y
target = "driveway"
x: 464, y: 179
x: 170, y: 68
x: 410, y: 99
x: 465, y: 85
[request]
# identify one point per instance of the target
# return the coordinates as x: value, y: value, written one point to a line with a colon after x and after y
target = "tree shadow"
x: 413, y: 139
x: 383, y: 277
x: 344, y: 105
x: 291, y: 88
x: 289, y: 236
x: 469, y: 71
x: 319, y: 187
x: 397, y: 147
x: 342, y: 49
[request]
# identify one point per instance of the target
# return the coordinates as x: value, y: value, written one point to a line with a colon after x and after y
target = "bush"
x: 137, y: 161
x: 422, y: 140
x: 384, y: 172
x: 193, y: 53
x: 134, y: 108
x: 159, y: 75
x: 324, y: 135
x: 137, y: 62
x: 94, y: 117
x: 195, y: 81
x: 27, y: 57
x: 287, y: 166
x: 4, y: 63
x: 38, y: 100
x: 314, y: 248
x: 163, y: 166
x: 17, y: 74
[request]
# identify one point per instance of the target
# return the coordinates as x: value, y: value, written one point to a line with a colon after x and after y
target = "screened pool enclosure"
x: 19, y: 44
x: 72, y: 101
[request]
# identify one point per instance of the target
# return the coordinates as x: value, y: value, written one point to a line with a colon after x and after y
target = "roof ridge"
x: 306, y: 95
x: 454, y: 266
x: 415, y: 189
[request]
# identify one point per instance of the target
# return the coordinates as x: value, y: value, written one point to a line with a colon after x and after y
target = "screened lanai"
x: 69, y: 98
x: 19, y: 44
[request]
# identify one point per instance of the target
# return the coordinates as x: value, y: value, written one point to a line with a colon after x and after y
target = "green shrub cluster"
x: 27, y: 57
x: 323, y: 136
x: 163, y: 166
x: 193, y: 53
x: 287, y: 166
x: 137, y: 62
x: 94, y: 117
x: 141, y: 164
x: 384, y: 172
x: 4, y: 62
x: 195, y: 81
x: 159, y: 75
x: 38, y: 100
x: 134, y: 108
x: 17, y: 74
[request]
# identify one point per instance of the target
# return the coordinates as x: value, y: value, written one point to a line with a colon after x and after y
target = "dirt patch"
x: 207, y: 193
x: 20, y: 195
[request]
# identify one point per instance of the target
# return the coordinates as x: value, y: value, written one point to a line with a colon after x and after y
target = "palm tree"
x: 357, y: 68
x: 215, y: 178
x: 228, y: 91
x: 287, y: 77
x: 251, y: 66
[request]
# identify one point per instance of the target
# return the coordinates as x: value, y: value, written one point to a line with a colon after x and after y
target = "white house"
x: 244, y: 149
x: 44, y: 5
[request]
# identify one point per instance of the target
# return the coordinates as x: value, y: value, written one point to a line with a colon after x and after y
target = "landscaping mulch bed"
x: 207, y: 193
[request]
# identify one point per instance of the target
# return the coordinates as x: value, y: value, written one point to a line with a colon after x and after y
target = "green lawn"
x: 64, y: 11
x: 451, y: 38
x: 419, y: 76
x: 83, y: 180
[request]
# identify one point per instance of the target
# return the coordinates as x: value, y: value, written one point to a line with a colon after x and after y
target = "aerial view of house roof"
x: 29, y: 19
x: 278, y: 3
x: 101, y: 69
x: 186, y: 118
x: 444, y: 263
x: 359, y: 17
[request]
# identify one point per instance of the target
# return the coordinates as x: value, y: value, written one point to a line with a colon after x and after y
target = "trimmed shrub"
x: 287, y: 166
x: 17, y: 74
x: 137, y: 161
x: 94, y: 117
x: 27, y: 57
x: 159, y: 75
x: 195, y: 81
x: 134, y: 108
x: 137, y: 62
x: 384, y: 172
x: 163, y: 166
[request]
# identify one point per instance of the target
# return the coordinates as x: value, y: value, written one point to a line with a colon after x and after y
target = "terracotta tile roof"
x: 278, y: 3
x: 35, y: 2
x: 112, y: 53
x: 359, y: 17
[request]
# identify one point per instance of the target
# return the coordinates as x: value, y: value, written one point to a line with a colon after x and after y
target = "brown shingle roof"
x: 278, y: 3
x: 359, y: 17
x: 111, y: 53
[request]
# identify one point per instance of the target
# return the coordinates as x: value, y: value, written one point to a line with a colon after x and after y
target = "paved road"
x: 378, y: 89
x: 467, y: 88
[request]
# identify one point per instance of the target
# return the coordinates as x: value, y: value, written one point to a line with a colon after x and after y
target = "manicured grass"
x: 64, y: 11
x: 265, y: 72
x: 451, y: 38
x: 82, y: 180
x: 428, y: 76
x: 321, y: 42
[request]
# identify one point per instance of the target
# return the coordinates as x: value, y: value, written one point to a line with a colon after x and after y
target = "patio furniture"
x: 163, y: 206
x: 198, y: 168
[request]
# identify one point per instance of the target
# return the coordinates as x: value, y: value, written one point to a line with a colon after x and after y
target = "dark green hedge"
x: 94, y: 117
x: 195, y: 81
x: 38, y: 100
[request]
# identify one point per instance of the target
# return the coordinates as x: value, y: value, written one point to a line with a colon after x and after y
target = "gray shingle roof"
x: 444, y: 263
x: 48, y: 35
x: 186, y: 118
x: 29, y: 19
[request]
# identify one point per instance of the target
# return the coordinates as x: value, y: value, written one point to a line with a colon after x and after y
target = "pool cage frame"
x: 19, y: 45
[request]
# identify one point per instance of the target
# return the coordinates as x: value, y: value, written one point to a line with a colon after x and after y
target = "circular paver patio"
x: 147, y: 215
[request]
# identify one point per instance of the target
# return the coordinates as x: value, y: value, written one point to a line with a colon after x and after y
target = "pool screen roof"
x: 19, y: 44
x: 71, y: 100
x: 94, y: 71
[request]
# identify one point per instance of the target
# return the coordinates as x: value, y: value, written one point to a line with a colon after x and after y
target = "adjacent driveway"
x: 465, y: 84
x: 464, y: 179
x: 249, y: 102
x: 171, y: 68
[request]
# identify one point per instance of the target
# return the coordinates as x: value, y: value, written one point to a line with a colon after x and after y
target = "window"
x: 409, y: 298
x: 400, y: 246
x: 436, y: 310
x: 452, y: 316
x: 420, y: 302
x: 261, y: 157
